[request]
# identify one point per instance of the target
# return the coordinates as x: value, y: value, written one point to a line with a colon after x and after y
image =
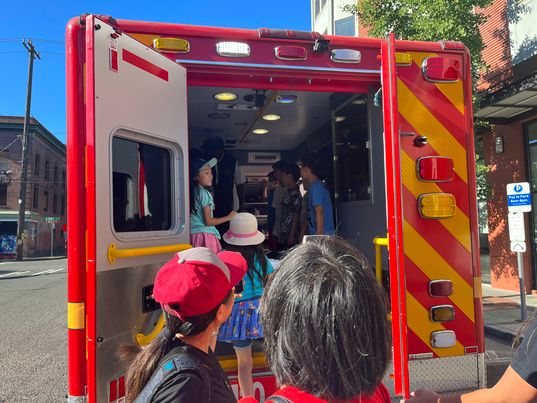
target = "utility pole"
x: 32, y: 54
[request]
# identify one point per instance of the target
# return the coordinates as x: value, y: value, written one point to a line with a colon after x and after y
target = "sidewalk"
x: 501, y: 312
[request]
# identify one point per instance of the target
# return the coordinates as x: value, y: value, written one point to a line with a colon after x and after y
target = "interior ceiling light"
x: 260, y: 131
x: 340, y: 118
x: 271, y: 116
x: 225, y: 96
x: 285, y: 99
x: 219, y: 115
x: 359, y: 101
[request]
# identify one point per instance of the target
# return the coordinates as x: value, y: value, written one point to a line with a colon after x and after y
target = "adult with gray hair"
x: 325, y: 326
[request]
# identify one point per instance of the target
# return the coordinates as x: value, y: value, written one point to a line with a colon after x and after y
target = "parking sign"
x: 518, y: 197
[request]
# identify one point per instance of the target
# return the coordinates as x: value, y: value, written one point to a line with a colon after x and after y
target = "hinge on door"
x: 367, y: 145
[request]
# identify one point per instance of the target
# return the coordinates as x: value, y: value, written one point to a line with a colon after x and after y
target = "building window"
x: 142, y: 186
x: 54, y: 204
x: 63, y: 179
x: 46, y: 201
x: 55, y: 175
x: 317, y: 7
x: 37, y: 162
x: 35, y: 203
x: 4, y: 165
x: 47, y: 170
x: 345, y: 26
x: 3, y: 195
x: 62, y: 212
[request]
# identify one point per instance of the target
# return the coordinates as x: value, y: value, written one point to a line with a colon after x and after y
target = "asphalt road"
x: 33, y: 335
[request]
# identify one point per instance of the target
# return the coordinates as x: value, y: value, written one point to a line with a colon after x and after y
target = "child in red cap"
x: 195, y: 290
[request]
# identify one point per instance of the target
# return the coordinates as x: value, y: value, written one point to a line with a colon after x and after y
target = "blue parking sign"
x: 518, y: 197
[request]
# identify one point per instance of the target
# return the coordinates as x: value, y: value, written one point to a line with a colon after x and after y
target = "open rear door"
x: 136, y: 181
x: 394, y: 217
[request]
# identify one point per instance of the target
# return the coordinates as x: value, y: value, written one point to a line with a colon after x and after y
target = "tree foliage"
x: 426, y: 20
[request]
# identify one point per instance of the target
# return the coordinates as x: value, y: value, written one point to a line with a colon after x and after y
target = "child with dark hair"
x: 195, y: 291
x: 320, y: 211
x: 203, y: 230
x: 327, y: 335
x: 243, y: 325
x: 291, y: 203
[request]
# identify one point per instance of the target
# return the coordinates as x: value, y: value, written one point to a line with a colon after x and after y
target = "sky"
x: 44, y: 22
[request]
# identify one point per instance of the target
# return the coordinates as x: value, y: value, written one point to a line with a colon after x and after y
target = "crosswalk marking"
x: 15, y: 273
x: 22, y: 273
x: 49, y: 271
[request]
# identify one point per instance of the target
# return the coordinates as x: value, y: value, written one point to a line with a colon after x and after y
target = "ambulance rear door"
x: 137, y: 187
x: 394, y: 215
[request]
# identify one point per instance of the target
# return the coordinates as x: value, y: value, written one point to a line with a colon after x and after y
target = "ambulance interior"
x: 262, y: 126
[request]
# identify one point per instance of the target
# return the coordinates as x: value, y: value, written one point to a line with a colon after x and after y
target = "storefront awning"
x: 515, y: 99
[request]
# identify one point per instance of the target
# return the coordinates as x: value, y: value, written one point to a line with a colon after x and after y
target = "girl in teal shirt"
x: 243, y: 324
x: 203, y: 232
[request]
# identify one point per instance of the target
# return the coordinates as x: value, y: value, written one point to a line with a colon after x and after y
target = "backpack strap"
x: 277, y: 399
x: 172, y: 366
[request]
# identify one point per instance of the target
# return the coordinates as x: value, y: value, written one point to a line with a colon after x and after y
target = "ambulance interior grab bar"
x: 379, y: 242
x: 144, y: 340
x: 115, y: 253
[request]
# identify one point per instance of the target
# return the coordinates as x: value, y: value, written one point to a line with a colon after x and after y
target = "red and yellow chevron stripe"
x: 436, y: 249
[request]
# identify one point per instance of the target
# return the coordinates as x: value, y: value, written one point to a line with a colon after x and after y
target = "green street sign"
x: 52, y: 219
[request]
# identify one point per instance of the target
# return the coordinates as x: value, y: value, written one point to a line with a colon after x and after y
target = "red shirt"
x: 381, y: 395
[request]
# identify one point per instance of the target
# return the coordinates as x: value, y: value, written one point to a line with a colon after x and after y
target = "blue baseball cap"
x: 198, y: 164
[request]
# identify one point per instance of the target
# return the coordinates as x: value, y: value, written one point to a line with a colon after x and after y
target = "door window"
x: 142, y: 187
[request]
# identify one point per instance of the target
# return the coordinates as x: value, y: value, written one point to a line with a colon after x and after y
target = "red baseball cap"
x: 197, y: 280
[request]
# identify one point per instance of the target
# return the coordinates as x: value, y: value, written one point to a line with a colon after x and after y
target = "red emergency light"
x: 440, y: 288
x: 441, y: 69
x: 291, y: 53
x: 435, y: 169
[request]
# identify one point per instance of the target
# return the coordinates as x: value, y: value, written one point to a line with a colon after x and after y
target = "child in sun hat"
x: 203, y: 230
x: 243, y: 324
x: 195, y: 291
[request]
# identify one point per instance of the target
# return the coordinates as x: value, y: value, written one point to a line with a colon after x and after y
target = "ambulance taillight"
x: 435, y: 169
x: 441, y: 69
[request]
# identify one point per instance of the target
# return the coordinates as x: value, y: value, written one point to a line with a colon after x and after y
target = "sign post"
x: 518, y: 203
x: 52, y: 221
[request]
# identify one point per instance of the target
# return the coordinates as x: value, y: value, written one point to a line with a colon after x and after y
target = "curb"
x: 499, y: 333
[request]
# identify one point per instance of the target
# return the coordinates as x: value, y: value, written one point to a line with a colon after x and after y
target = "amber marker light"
x: 171, y: 45
x: 436, y: 205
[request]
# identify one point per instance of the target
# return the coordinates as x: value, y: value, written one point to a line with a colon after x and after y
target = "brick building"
x: 508, y: 101
x: 46, y: 188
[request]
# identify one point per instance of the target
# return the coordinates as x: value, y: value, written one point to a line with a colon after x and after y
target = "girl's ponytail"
x: 145, y: 360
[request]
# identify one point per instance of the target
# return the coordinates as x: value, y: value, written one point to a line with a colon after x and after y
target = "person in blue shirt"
x: 320, y: 211
x: 243, y: 324
x: 203, y: 232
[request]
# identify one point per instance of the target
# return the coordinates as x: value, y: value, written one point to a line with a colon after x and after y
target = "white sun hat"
x: 243, y: 231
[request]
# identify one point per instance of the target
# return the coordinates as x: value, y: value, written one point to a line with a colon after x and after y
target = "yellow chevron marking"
x: 426, y: 124
x: 421, y: 325
x: 453, y: 91
x: 434, y: 266
x: 458, y: 225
